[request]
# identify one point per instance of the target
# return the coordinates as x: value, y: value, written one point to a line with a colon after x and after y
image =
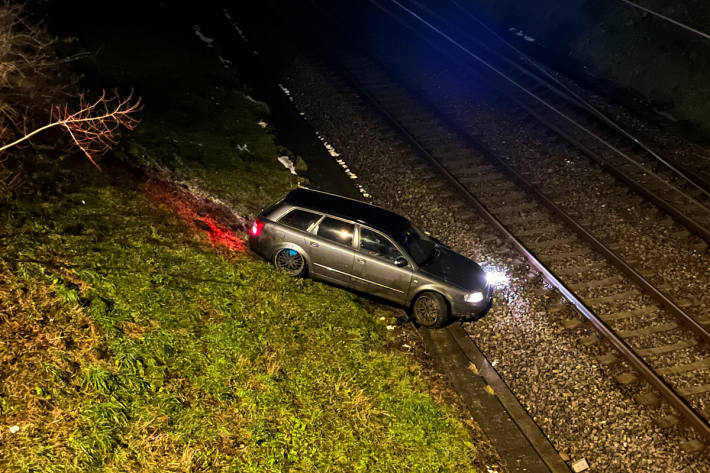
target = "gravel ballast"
x: 568, y: 392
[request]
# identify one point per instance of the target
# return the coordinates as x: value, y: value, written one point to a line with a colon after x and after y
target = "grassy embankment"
x: 129, y: 343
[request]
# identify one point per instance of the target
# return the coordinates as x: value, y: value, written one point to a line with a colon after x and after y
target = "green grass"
x: 144, y: 348
x: 129, y: 343
x: 225, y: 149
x: 212, y: 361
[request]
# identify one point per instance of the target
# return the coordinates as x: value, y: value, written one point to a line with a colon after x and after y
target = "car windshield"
x: 417, y: 244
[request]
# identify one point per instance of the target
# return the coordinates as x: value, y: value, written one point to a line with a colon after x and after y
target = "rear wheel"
x: 430, y: 309
x: 290, y: 261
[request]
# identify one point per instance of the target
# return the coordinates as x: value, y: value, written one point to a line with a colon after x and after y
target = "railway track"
x: 560, y: 184
x: 650, y: 332
x: 671, y: 187
x: 642, y: 333
x: 662, y: 343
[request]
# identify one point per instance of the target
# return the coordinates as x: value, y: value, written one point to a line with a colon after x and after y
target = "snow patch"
x: 288, y: 164
x: 208, y: 41
x: 225, y: 62
x: 286, y: 91
x: 521, y: 33
x: 236, y: 27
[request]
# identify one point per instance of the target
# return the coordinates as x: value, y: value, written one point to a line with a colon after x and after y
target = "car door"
x: 331, y: 250
x: 374, y: 270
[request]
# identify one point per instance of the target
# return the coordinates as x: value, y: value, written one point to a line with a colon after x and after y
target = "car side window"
x: 299, y: 219
x: 336, y: 231
x: 376, y: 244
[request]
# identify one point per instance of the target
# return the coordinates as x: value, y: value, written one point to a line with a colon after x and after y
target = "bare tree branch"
x: 94, y: 128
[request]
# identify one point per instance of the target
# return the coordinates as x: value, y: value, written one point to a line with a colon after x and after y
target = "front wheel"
x: 290, y: 261
x: 430, y: 309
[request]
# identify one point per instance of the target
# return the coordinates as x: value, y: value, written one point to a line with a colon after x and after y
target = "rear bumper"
x: 255, y: 246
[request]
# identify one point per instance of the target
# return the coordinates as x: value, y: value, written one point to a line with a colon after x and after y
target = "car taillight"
x: 256, y: 228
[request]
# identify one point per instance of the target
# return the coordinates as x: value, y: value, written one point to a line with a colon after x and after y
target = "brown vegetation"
x: 41, y: 336
x: 31, y: 80
x: 94, y: 127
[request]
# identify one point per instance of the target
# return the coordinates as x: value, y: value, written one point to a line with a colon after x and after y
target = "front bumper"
x: 467, y: 311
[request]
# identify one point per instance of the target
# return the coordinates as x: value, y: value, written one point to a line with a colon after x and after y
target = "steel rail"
x: 668, y: 19
x: 570, y: 95
x: 666, y: 391
x: 677, y: 214
x: 575, y: 98
x: 607, y: 252
x: 694, y: 226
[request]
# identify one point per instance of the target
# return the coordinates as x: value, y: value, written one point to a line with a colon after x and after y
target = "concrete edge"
x: 538, y: 440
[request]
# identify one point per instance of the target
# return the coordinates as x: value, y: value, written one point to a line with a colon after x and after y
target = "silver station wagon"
x: 372, y: 250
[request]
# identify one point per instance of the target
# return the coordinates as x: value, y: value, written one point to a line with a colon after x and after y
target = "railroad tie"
x: 533, y: 231
x: 626, y: 378
x: 649, y: 331
x: 458, y: 204
x: 421, y: 167
x: 685, y: 367
x: 619, y: 296
x: 627, y: 314
x: 497, y: 183
x: 563, y: 256
x: 590, y: 340
x: 572, y: 323
x: 666, y: 348
x: 692, y: 445
x: 476, y: 178
x: 513, y: 207
x: 648, y: 398
x: 680, y: 234
x: 528, y: 220
x: 607, y: 358
x: 593, y: 283
x: 438, y: 184
x: 569, y: 271
x: 699, y: 245
x: 697, y: 389
x: 544, y: 244
x: 467, y: 164
x: 668, y: 422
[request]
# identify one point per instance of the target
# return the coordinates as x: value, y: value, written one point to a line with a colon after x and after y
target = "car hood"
x: 456, y: 269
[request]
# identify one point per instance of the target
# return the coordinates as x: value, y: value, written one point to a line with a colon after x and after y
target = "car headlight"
x: 474, y: 297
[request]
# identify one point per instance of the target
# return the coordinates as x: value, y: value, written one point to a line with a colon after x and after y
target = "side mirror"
x: 400, y: 262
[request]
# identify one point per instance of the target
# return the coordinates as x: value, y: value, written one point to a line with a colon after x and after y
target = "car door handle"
x: 360, y: 260
x: 314, y: 244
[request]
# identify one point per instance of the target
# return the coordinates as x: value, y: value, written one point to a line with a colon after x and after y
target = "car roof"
x: 349, y: 209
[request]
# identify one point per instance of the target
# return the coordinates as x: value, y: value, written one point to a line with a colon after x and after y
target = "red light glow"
x: 201, y: 215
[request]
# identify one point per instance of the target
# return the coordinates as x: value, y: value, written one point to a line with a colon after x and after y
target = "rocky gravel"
x: 569, y: 393
x: 661, y: 249
x: 520, y: 216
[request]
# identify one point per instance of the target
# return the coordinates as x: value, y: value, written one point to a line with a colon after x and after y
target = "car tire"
x: 290, y: 261
x: 430, y: 309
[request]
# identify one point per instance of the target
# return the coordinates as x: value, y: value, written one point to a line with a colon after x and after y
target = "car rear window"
x: 336, y: 231
x: 300, y: 219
